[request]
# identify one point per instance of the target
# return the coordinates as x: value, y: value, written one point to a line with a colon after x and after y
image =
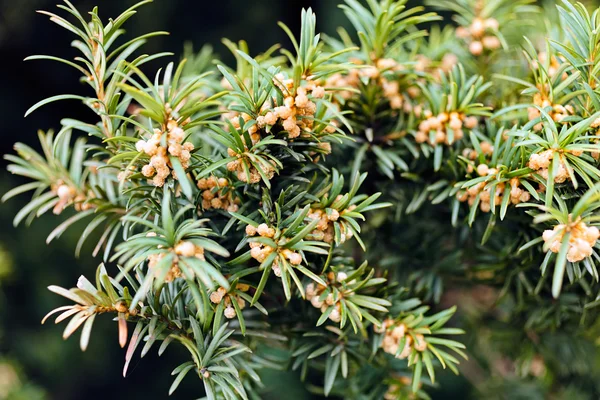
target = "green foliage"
x: 239, y: 203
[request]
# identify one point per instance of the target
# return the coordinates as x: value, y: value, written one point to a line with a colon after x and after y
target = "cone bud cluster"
x: 221, y: 295
x: 480, y: 35
x: 182, y: 249
x: 159, y: 150
x: 315, y: 294
x: 581, y: 242
x: 394, y: 332
x: 215, y: 194
x: 439, y: 126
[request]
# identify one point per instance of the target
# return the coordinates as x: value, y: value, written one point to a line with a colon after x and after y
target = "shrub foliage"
x: 234, y: 208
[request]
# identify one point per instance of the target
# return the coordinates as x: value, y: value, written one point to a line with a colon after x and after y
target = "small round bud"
x: 222, y: 182
x: 491, y: 23
x: 295, y: 259
x: 482, y: 170
x: 329, y: 299
x: 318, y: 92
x: 148, y: 171
x: 185, y: 249
x: 139, y: 145
x: 420, y: 343
x: 229, y: 312
x: 399, y: 331
x: 477, y: 27
x: 491, y: 42
x: 262, y: 229
x: 256, y: 252
x: 333, y: 215
x: 250, y: 230
x: 476, y: 48
x: 316, y: 303
x: 64, y: 192
x: 335, y: 315
x: 216, y: 297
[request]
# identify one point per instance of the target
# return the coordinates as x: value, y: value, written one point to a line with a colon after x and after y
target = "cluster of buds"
x: 486, y: 149
x: 481, y: 35
x: 325, y: 231
x: 440, y: 124
x: 292, y: 257
x: 581, y: 242
x: 219, y: 295
x: 558, y: 111
x: 540, y: 162
x: 517, y: 195
x: 159, y: 167
x: 237, y: 166
x: 70, y: 195
x: 297, y: 110
x: 260, y: 251
x: 314, y: 294
x: 353, y: 78
x: 394, y: 333
x: 174, y: 271
x: 234, y: 118
x: 182, y: 249
x: 391, y: 88
x: 215, y: 194
x: 485, y: 196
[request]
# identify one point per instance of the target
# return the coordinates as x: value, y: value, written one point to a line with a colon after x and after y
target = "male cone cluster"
x: 215, y: 194
x: 480, y: 35
x: 221, y: 294
x: 160, y: 167
x: 324, y: 231
x: 391, y: 88
x: 68, y: 194
x: 557, y: 112
x: 237, y: 166
x: 540, y: 162
x: 260, y: 251
x: 314, y: 294
x: 394, y: 333
x: 581, y: 242
x: 439, y: 125
x: 517, y: 194
x: 182, y: 249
